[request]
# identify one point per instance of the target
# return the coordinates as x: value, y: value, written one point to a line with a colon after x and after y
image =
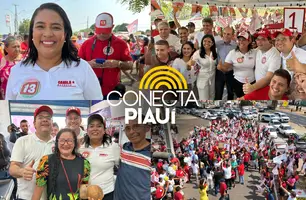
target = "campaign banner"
x: 279, y: 159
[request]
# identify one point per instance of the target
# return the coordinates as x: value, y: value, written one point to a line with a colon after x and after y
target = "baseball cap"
x: 263, y: 33
x: 244, y: 34
x: 94, y: 117
x: 43, y: 109
x: 104, y: 23
x: 73, y: 109
x: 190, y: 24
x: 284, y: 31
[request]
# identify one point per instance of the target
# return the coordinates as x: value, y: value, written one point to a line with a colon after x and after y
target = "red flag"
x: 133, y: 27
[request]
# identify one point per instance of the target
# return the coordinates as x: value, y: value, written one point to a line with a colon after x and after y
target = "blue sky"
x: 77, y: 11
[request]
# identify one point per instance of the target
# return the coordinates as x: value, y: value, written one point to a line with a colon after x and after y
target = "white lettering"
x: 129, y: 117
x: 109, y: 101
x: 125, y: 101
x: 192, y: 100
x: 149, y: 117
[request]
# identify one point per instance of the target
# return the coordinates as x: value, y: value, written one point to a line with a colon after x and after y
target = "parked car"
x: 211, y: 117
x: 275, y: 123
x: 272, y: 132
x: 283, y: 117
x: 279, y: 144
x: 247, y: 116
x: 267, y: 117
x: 286, y: 130
x: 301, y: 144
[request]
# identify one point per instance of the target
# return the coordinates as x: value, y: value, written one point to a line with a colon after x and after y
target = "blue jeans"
x: 217, y: 187
x: 241, y: 179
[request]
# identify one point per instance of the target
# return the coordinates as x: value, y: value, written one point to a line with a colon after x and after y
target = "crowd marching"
x: 51, y: 50
x: 64, y: 164
x: 215, y: 158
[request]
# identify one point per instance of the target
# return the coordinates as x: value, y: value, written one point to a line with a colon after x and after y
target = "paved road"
x: 185, y: 124
x: 295, y: 118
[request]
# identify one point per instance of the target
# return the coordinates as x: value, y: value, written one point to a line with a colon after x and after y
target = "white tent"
x: 246, y: 3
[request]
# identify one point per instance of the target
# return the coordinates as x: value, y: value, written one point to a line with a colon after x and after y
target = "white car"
x: 275, y: 123
x: 283, y: 117
x: 247, y: 116
x: 272, y: 132
x: 255, y: 114
x: 286, y: 130
x: 211, y: 117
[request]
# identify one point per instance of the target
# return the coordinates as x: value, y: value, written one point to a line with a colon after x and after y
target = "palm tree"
x: 135, y: 6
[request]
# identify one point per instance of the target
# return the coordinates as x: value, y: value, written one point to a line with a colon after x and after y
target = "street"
x: 185, y: 124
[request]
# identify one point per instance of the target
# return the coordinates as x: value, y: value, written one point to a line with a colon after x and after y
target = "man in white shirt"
x: 284, y: 42
x: 164, y: 34
x: 208, y: 25
x: 191, y: 31
x: 73, y: 121
x: 28, y: 151
x: 268, y: 60
x: 80, y: 40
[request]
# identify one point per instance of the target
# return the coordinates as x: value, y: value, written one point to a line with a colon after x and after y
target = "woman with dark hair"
x: 182, y: 64
x: 11, y: 57
x: 102, y: 154
x: 242, y: 61
x: 62, y: 172
x: 205, y: 63
x: 52, y: 65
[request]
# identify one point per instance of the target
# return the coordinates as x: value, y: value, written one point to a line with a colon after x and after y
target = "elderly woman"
x: 12, y: 57
x: 52, y: 69
x: 62, y: 172
x: 103, y: 155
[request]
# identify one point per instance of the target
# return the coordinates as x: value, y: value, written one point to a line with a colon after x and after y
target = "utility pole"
x: 16, y: 19
x: 87, y: 21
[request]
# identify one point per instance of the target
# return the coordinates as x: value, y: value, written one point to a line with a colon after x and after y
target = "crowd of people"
x: 52, y: 59
x: 262, y: 66
x: 55, y: 163
x: 215, y: 159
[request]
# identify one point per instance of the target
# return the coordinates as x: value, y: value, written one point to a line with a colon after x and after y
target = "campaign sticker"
x: 103, y: 154
x: 30, y: 88
x: 85, y: 154
x: 240, y: 60
x: 263, y: 60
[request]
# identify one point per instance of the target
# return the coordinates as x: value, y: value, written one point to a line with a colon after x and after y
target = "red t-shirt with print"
x: 261, y: 94
x: 119, y: 51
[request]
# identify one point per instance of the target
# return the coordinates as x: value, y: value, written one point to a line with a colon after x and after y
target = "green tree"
x: 121, y: 27
x: 93, y: 27
x: 24, y: 27
x: 136, y: 6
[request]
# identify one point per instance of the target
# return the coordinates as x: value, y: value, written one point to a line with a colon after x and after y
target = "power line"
x: 16, y: 19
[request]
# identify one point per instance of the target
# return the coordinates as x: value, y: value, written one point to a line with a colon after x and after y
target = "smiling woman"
x: 52, y: 70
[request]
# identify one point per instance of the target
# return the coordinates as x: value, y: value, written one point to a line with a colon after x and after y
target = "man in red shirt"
x: 241, y: 172
x: 279, y: 85
x: 160, y: 191
x: 223, y: 187
x: 105, y: 45
x: 178, y: 194
x: 155, y: 31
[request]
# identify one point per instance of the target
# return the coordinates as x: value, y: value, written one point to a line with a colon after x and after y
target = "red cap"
x: 104, y: 23
x: 73, y: 109
x: 263, y: 33
x: 43, y: 109
x: 284, y: 31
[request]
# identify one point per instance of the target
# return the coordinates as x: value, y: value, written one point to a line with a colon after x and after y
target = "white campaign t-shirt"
x: 173, y: 41
x: 26, y: 149
x: 199, y: 35
x: 28, y: 82
x: 269, y: 61
x: 243, y: 65
x: 180, y: 65
x: 102, y: 160
x: 300, y: 55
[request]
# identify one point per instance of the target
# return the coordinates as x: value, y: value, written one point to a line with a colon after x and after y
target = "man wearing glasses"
x: 133, y: 178
x: 268, y: 60
x: 28, y: 151
x: 73, y: 121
